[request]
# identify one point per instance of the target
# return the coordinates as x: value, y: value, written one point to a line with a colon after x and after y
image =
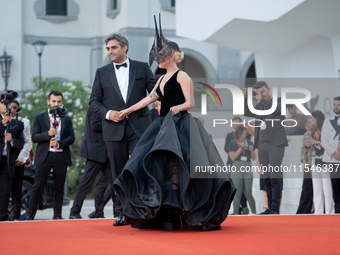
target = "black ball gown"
x: 159, y: 184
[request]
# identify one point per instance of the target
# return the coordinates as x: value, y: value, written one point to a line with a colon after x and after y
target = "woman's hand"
x: 175, y: 109
x: 124, y: 113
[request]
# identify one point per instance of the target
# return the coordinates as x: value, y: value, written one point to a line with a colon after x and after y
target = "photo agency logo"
x: 239, y: 103
x: 204, y: 97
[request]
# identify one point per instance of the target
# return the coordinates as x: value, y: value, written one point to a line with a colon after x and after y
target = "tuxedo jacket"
x: 106, y: 96
x: 93, y: 146
x: 275, y: 130
x: 330, y: 139
x: 16, y: 128
x: 41, y: 126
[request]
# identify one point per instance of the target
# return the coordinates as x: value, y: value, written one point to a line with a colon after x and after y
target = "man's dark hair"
x: 55, y: 93
x: 238, y: 132
x: 289, y: 106
x: 337, y: 98
x: 237, y: 118
x: 121, y: 39
x: 260, y: 84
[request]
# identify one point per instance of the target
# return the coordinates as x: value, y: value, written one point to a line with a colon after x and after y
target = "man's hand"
x: 337, y: 156
x: 258, y: 95
x: 52, y: 131
x: 54, y: 142
x: 244, y: 91
x: 6, y: 119
x: 8, y: 137
x: 115, y: 116
x: 18, y: 163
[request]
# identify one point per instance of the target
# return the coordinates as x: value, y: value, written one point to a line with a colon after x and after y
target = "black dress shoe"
x: 120, y: 221
x: 93, y: 215
x: 267, y: 211
x: 75, y: 217
x: 274, y: 212
x: 57, y: 218
x: 28, y: 218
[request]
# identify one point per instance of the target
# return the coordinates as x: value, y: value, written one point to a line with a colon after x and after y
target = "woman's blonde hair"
x: 179, y: 56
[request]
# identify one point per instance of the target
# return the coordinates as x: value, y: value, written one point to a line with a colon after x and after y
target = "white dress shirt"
x: 122, y: 75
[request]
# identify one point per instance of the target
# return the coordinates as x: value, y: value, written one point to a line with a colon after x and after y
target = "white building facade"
x: 286, y: 42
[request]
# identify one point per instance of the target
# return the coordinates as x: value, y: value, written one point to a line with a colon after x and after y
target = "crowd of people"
x: 147, y: 162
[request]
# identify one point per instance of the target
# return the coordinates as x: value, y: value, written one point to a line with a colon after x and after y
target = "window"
x: 113, y: 8
x: 168, y: 5
x: 114, y: 5
x: 56, y: 11
x: 56, y: 7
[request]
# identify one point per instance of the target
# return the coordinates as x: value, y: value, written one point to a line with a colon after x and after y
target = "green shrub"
x: 76, y: 99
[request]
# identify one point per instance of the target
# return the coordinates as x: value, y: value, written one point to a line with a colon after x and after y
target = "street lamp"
x: 5, y: 61
x: 39, y: 48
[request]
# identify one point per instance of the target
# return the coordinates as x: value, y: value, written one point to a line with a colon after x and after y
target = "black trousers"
x: 16, y: 191
x: 270, y: 158
x: 56, y: 162
x: 306, y: 198
x: 118, y: 153
x: 5, y: 188
x: 334, y: 170
x: 92, y: 168
x: 102, y: 194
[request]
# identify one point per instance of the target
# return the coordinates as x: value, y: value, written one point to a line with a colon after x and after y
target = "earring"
x: 170, y: 61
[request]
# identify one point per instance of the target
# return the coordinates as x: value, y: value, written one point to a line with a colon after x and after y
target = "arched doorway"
x: 251, y: 76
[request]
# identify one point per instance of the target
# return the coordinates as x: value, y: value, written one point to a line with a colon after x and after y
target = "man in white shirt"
x: 330, y: 141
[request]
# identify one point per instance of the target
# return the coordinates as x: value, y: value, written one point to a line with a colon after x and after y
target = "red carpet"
x: 312, y: 234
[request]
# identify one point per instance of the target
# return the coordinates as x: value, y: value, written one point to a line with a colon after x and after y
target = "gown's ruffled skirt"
x: 145, y: 187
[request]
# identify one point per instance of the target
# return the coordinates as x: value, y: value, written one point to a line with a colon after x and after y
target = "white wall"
x: 313, y: 59
x: 11, y: 38
x: 336, y: 57
x: 65, y: 61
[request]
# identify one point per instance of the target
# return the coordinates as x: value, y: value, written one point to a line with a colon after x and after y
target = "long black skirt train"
x: 147, y: 191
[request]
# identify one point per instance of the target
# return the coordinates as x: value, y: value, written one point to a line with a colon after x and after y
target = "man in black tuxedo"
x: 11, y: 142
x: 102, y: 195
x: 271, y: 140
x: 93, y: 148
x: 117, y: 86
x: 53, y: 151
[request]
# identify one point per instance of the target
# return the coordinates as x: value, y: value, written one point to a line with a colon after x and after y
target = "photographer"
x: 11, y: 142
x: 54, y: 134
x: 24, y: 158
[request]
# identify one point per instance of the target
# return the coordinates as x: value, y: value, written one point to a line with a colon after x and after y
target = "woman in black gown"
x: 159, y: 187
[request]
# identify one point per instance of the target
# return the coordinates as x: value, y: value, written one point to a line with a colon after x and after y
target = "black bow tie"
x: 122, y: 65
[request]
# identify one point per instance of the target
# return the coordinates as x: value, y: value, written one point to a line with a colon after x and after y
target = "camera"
x: 7, y: 98
x: 57, y: 112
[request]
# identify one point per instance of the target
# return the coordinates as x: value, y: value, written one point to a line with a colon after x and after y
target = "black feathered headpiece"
x: 162, y: 48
